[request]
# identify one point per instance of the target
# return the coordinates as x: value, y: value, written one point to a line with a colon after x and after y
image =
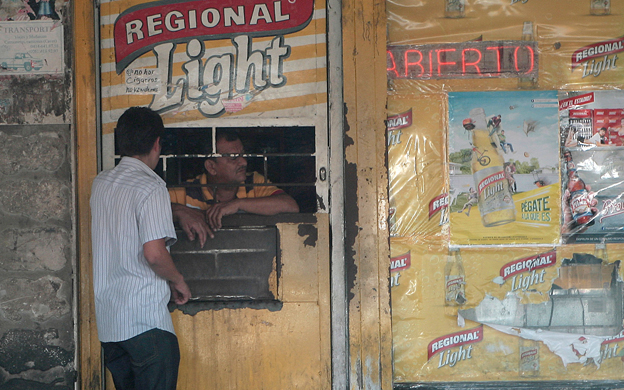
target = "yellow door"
x: 206, y: 65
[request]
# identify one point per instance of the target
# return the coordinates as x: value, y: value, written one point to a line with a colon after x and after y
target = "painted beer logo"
x: 455, y: 347
x: 527, y: 271
x: 214, y: 78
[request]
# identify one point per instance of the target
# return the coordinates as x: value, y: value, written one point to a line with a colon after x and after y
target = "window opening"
x: 285, y: 156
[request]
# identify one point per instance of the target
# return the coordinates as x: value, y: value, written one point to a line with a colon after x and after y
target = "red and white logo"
x: 401, y: 262
x: 438, y: 203
x: 140, y: 28
x: 596, y: 50
x: 455, y: 340
x: 528, y: 264
x: 399, y: 121
x: 577, y: 101
x: 611, y: 207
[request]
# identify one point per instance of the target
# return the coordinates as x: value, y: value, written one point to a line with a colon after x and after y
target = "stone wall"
x: 37, y: 342
x: 37, y: 208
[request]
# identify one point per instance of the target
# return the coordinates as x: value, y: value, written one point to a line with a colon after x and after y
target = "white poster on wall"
x: 33, y: 47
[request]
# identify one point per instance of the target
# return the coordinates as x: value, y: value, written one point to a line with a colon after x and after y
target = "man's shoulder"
x: 256, y: 177
x: 130, y: 178
x: 191, y: 189
x: 259, y: 191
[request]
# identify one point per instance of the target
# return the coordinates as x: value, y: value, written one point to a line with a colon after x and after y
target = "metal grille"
x: 284, y: 155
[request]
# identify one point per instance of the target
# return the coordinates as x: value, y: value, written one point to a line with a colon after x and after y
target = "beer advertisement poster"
x: 486, y: 314
x: 593, y: 166
x: 418, y: 187
x: 504, y: 167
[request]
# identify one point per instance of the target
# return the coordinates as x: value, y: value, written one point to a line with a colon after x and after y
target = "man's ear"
x: 210, y: 167
x: 156, y: 145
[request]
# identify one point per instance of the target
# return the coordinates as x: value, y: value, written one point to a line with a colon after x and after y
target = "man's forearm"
x: 160, y: 261
x: 270, y: 205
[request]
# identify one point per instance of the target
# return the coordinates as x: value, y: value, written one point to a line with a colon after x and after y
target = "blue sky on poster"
x: 515, y: 107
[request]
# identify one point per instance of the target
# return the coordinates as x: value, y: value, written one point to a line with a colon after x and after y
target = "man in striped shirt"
x: 134, y: 275
x: 226, y: 188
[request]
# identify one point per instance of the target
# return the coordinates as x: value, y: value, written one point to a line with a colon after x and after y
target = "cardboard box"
x: 585, y: 276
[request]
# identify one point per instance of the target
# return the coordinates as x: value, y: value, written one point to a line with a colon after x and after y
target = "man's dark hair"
x: 230, y: 135
x: 137, y: 130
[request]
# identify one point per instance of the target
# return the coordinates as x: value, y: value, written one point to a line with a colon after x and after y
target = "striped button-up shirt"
x: 130, y: 206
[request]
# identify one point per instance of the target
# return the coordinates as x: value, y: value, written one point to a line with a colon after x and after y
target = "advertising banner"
x: 526, y: 283
x: 417, y: 175
x: 193, y: 60
x: 593, y: 166
x: 33, y: 47
x: 525, y: 313
x: 504, y: 154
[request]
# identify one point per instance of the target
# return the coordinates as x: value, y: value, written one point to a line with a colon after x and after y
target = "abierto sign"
x: 477, y: 59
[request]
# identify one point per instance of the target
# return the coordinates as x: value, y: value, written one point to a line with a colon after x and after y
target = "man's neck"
x: 147, y: 160
x: 225, y: 194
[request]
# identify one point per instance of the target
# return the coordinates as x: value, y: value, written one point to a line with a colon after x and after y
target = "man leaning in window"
x: 226, y: 188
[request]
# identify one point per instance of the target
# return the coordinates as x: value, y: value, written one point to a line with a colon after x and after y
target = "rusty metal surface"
x: 281, y: 346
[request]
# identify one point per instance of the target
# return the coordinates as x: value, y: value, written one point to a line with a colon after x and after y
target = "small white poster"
x: 33, y: 47
x: 142, y: 81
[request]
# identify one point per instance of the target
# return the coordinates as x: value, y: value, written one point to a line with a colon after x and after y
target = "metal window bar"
x: 265, y: 165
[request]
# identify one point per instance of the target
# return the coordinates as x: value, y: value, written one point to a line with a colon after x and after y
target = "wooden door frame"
x: 85, y: 138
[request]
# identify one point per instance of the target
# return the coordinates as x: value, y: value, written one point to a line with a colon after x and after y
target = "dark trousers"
x: 148, y: 361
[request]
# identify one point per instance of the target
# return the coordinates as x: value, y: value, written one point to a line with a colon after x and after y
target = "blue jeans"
x: 148, y: 361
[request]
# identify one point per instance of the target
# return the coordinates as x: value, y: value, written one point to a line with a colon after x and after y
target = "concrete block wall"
x: 239, y: 264
x: 37, y: 341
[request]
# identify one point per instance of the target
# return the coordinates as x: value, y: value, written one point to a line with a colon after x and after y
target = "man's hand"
x: 161, y: 263
x: 268, y: 205
x: 192, y: 222
x: 569, y: 226
x: 180, y: 292
x: 218, y: 210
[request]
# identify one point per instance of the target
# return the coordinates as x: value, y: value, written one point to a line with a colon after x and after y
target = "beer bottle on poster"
x: 600, y: 7
x: 528, y: 351
x: 528, y: 82
x: 454, y: 279
x: 455, y: 8
x: 579, y: 201
x: 496, y: 204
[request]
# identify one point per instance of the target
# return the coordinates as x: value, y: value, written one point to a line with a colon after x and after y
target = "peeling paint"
x: 23, y: 384
x: 42, y: 299
x: 38, y: 151
x: 309, y: 231
x: 192, y: 308
x: 351, y: 226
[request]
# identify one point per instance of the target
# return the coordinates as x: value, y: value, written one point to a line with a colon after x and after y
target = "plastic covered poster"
x: 593, y: 165
x: 504, y: 167
x: 476, y: 45
x: 526, y: 313
x: 416, y: 155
